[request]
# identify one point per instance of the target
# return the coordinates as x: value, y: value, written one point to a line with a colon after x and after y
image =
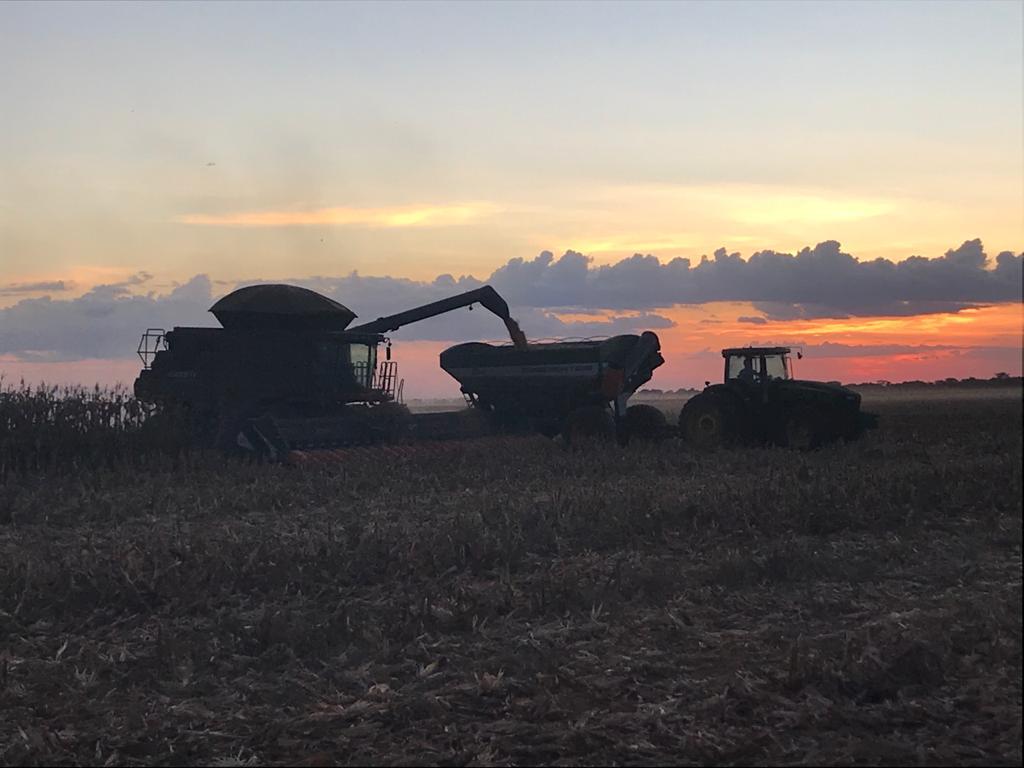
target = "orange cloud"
x: 385, y: 218
x: 974, y: 342
x: 997, y: 324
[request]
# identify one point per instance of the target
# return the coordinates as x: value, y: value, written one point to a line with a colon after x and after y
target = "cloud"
x: 816, y: 282
x: 819, y: 282
x: 120, y: 288
x: 392, y: 217
x: 104, y: 323
x: 50, y: 286
x: 867, y: 362
x: 833, y: 350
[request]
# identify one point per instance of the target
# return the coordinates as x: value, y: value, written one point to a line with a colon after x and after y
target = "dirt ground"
x: 512, y: 603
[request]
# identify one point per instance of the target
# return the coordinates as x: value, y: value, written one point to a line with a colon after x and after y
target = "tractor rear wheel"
x: 645, y: 422
x: 708, y: 421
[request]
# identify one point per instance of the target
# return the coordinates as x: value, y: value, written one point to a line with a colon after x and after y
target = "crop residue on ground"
x: 524, y: 604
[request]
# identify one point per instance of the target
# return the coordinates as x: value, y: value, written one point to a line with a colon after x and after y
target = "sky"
x: 847, y: 177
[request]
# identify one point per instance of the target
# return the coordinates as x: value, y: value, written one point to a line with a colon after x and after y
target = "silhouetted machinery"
x: 287, y: 372
x: 760, y: 401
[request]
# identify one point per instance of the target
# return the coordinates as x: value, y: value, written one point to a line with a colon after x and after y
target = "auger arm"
x: 485, y: 296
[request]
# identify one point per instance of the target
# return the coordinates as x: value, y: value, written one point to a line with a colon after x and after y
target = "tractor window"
x: 737, y: 364
x: 744, y: 368
x: 777, y: 367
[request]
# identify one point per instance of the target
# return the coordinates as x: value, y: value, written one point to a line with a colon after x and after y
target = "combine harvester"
x: 287, y: 378
x: 286, y: 375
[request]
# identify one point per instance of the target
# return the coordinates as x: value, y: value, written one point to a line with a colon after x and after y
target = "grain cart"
x: 287, y: 372
x: 761, y: 401
x: 560, y: 387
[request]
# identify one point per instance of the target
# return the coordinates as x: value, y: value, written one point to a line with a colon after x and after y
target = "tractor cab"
x: 757, y: 365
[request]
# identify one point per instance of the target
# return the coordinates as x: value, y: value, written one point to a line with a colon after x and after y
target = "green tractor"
x: 761, y: 402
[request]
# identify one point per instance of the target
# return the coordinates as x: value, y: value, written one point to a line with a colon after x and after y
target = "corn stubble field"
x: 508, y: 602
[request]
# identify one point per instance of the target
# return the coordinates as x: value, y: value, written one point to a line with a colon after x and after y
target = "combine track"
x: 389, y: 452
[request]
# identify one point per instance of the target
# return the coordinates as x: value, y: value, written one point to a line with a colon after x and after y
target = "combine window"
x: 363, y: 359
x: 350, y: 365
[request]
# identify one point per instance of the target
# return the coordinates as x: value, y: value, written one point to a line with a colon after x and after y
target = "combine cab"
x: 284, y: 353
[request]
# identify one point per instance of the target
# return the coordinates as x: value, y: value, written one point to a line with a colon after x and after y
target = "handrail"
x: 153, y: 340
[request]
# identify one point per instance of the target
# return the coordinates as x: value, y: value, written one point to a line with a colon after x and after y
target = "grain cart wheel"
x: 708, y: 421
x: 589, y: 423
x: 805, y: 428
x: 645, y: 422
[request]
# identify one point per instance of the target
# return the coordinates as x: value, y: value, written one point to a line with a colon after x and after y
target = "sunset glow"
x: 698, y: 162
x: 408, y: 216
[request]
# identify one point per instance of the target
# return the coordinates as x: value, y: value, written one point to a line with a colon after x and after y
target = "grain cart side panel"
x: 543, y: 383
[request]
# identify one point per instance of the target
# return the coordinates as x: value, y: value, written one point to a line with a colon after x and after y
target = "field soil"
x: 508, y: 602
